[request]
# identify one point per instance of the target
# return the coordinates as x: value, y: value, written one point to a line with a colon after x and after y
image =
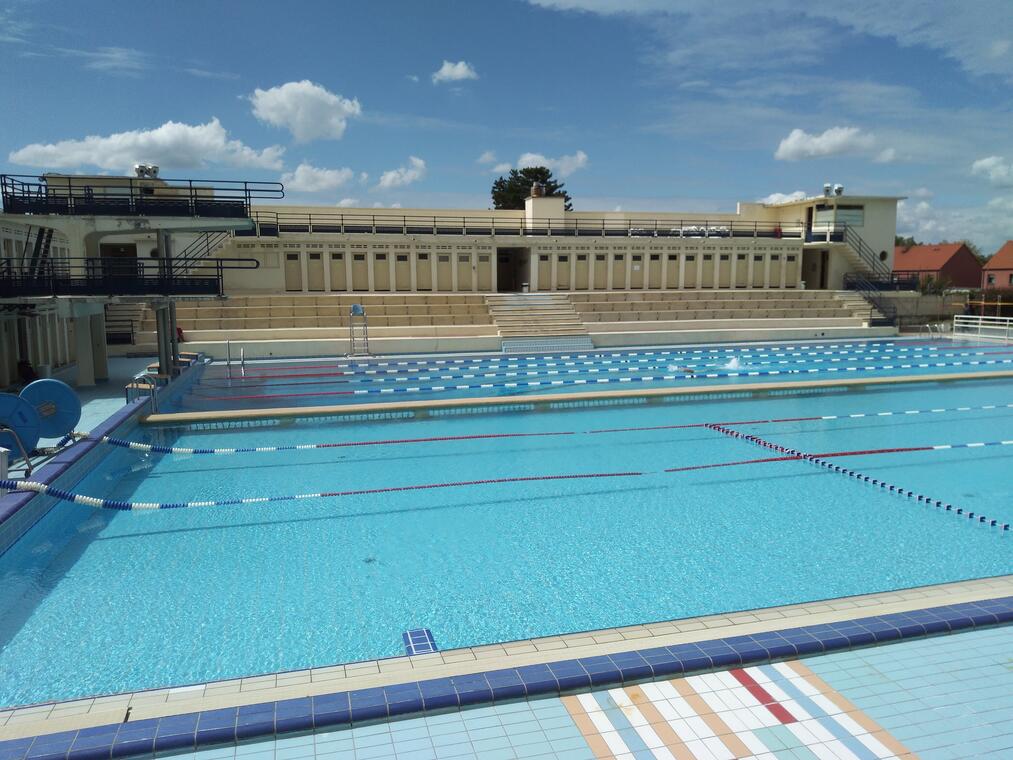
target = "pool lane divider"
x: 228, y: 724
x: 185, y: 450
x: 138, y: 506
x: 820, y: 460
x: 602, y: 380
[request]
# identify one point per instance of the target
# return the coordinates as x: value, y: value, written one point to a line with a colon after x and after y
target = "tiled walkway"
x: 942, y: 698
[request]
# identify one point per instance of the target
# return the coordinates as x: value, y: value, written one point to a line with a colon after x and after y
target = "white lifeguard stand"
x: 358, y: 331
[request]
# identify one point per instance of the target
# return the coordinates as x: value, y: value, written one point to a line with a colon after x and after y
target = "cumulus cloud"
x: 995, y: 169
x: 501, y: 168
x: 564, y: 166
x: 172, y: 145
x: 985, y: 224
x: 310, y: 179
x: 454, y: 72
x: 348, y: 202
x: 798, y: 195
x: 886, y: 156
x: 306, y: 109
x: 403, y: 175
x: 488, y: 157
x: 835, y: 141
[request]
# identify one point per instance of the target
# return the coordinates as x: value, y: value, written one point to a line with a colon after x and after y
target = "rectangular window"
x: 359, y: 257
x: 791, y: 258
x: 402, y: 257
x: 291, y: 256
x: 637, y: 257
x: 673, y: 257
x: 463, y: 258
x: 423, y: 257
x: 619, y: 257
x: 853, y: 216
x: 757, y: 258
x: 314, y: 257
x: 740, y: 257
x: 381, y: 256
x: 775, y: 257
x: 581, y: 257
x: 483, y: 259
x: 444, y: 257
x: 690, y: 257
x: 724, y: 257
x: 564, y: 259
x: 708, y: 257
x: 655, y: 257
x: 599, y: 257
x: 543, y: 257
x: 337, y: 256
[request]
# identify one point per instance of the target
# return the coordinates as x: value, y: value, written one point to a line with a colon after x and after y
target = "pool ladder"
x: 21, y: 448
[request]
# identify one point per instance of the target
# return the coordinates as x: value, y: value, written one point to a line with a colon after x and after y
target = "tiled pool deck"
x: 939, y: 698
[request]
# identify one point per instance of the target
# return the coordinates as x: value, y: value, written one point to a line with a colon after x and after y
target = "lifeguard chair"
x: 358, y: 331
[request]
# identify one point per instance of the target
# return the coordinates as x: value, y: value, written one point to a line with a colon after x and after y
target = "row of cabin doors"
x: 470, y: 268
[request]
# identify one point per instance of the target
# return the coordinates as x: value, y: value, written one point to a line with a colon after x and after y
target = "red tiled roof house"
x: 951, y: 262
x: 998, y: 270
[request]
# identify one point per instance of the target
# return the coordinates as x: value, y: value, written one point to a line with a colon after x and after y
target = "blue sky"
x: 638, y: 104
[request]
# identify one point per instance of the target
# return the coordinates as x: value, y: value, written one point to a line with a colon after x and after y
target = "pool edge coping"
x: 291, y: 706
x: 491, y: 402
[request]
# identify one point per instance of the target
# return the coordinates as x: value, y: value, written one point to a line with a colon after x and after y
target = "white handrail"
x: 984, y: 328
x: 154, y: 388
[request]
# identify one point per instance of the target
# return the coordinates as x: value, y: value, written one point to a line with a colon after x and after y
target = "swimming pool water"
x: 340, y: 381
x: 97, y: 601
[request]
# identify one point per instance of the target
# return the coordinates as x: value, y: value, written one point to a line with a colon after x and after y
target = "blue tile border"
x: 222, y: 726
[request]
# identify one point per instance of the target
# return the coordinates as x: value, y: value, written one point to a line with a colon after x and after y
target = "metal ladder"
x: 358, y: 334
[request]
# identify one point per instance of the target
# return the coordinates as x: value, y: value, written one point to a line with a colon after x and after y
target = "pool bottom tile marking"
x: 419, y: 641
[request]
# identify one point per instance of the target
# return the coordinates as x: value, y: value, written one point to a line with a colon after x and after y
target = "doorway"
x: 512, y: 269
x: 814, y: 269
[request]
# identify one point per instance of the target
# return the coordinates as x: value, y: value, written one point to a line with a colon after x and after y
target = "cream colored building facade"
x: 317, y: 249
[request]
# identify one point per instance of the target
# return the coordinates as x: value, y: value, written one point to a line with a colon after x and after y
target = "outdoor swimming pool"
x: 260, y: 385
x: 497, y: 545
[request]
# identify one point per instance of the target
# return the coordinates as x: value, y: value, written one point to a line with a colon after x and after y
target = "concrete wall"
x: 917, y: 309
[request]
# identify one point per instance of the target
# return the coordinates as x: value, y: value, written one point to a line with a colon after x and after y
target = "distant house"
x: 998, y: 270
x: 950, y: 262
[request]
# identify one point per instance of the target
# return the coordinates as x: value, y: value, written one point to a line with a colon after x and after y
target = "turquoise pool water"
x: 96, y: 601
x: 260, y: 385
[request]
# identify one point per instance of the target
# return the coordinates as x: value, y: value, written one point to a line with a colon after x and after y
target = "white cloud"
x: 985, y: 225
x: 488, y: 157
x: 172, y: 145
x: 922, y: 192
x: 348, y: 202
x: 454, y: 72
x: 995, y: 169
x: 412, y: 77
x: 835, y: 141
x: 798, y: 195
x: 886, y: 156
x: 377, y: 204
x: 563, y: 166
x: 306, y: 109
x: 403, y: 175
x: 501, y: 168
x: 195, y: 71
x: 112, y: 60
x: 310, y: 179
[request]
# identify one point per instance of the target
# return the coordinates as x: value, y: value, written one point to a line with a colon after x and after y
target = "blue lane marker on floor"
x: 419, y: 641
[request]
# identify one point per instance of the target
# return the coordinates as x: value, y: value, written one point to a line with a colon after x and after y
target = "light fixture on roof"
x: 146, y: 170
x: 838, y: 189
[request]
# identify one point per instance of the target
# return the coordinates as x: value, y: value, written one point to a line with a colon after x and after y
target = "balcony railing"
x: 274, y: 223
x: 895, y: 281
x: 113, y: 277
x: 129, y: 196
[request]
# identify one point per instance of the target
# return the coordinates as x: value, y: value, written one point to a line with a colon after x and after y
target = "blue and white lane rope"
x: 132, y: 506
x: 601, y: 380
x: 827, y: 465
x: 151, y: 448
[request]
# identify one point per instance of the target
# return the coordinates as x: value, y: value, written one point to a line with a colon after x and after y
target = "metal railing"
x: 983, y: 328
x: 21, y: 447
x: 114, y: 277
x: 143, y: 377
x: 273, y: 223
x: 873, y: 294
x: 884, y: 282
x: 865, y: 252
x: 199, y: 250
x: 132, y: 196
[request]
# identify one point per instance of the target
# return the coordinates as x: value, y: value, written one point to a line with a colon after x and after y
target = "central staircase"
x: 537, y: 322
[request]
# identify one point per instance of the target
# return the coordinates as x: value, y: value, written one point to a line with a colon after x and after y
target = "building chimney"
x: 537, y: 190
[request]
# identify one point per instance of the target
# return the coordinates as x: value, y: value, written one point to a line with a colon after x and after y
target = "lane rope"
x: 820, y: 461
x: 160, y: 449
x: 132, y: 506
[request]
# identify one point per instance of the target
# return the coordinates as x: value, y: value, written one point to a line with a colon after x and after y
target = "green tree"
x: 905, y: 242
x: 509, y: 192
